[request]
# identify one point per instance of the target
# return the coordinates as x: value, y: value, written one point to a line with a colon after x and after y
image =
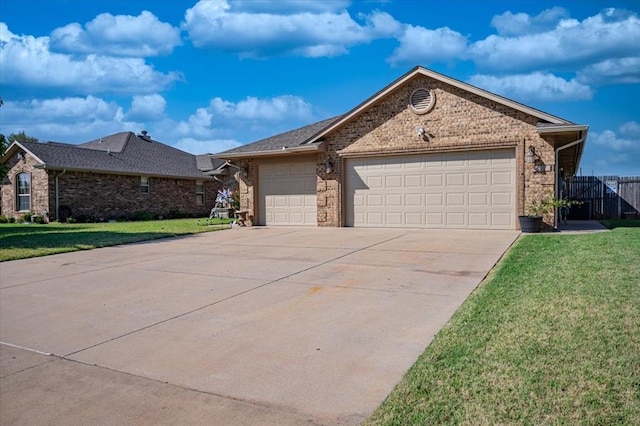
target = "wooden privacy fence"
x: 604, y: 197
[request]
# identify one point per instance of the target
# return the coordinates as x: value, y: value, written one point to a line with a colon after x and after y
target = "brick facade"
x: 460, y: 120
x: 104, y: 196
x: 39, y: 187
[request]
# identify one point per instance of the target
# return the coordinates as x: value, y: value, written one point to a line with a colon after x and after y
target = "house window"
x: 199, y: 193
x: 23, y: 190
x: 144, y: 184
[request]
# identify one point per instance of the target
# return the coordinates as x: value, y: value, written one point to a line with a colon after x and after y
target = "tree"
x: 21, y: 136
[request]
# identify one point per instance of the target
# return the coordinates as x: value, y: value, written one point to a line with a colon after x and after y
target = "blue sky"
x: 211, y: 75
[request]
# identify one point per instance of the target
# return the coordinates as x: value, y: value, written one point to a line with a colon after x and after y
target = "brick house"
x: 427, y: 151
x: 109, y: 178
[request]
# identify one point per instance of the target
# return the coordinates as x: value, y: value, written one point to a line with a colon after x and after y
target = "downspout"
x: 557, y: 159
x: 57, y: 198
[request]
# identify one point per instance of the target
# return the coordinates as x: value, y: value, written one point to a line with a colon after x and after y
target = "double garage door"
x: 473, y: 189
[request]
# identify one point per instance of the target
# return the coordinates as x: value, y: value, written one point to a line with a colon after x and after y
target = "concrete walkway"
x: 254, y: 326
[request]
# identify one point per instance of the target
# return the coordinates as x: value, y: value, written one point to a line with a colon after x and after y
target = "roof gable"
x: 542, y: 116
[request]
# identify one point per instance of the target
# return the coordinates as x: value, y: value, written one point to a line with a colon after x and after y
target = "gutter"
x: 284, y: 151
x: 57, y: 197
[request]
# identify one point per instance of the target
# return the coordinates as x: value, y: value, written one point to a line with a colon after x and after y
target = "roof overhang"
x: 569, y: 141
x: 120, y: 173
x: 443, y: 78
x: 562, y: 128
x: 304, y: 149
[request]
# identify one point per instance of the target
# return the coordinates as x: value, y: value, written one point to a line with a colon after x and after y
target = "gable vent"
x: 422, y: 100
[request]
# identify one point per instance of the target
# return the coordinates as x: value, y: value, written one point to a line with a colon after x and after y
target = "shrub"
x: 25, y: 217
x: 4, y: 219
x: 12, y: 219
x: 142, y: 216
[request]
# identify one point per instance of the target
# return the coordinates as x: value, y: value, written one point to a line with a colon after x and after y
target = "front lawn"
x: 19, y: 241
x: 551, y: 337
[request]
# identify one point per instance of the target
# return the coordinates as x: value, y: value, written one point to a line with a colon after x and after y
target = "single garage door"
x: 473, y: 189
x: 287, y: 194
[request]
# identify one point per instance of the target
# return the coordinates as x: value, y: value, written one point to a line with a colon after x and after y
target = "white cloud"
x: 311, y: 32
x: 71, y: 119
x: 283, y: 6
x: 533, y: 87
x: 422, y: 45
x: 612, y: 71
x: 122, y: 35
x: 627, y: 138
x: 147, y: 107
x: 610, y: 34
x: 197, y: 147
x: 510, y: 24
x: 27, y: 61
x: 613, y: 152
x: 253, y: 109
x: 251, y: 118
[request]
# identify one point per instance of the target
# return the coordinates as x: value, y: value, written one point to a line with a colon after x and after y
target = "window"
x: 144, y: 184
x: 23, y: 191
x: 199, y: 193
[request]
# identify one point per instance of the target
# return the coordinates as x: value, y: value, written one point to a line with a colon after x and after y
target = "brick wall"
x: 459, y: 121
x: 109, y: 196
x: 39, y: 188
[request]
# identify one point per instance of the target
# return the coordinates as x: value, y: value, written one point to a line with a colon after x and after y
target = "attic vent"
x: 422, y: 100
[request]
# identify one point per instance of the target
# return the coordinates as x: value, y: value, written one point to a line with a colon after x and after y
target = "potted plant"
x: 532, y: 221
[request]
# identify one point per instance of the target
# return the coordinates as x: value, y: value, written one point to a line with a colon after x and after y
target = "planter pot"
x: 530, y: 224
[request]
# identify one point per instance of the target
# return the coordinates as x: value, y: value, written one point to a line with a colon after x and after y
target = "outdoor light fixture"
x: 531, y: 155
x: 329, y: 166
x: 421, y: 131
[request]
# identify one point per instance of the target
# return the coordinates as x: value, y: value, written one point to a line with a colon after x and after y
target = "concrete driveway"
x: 249, y: 326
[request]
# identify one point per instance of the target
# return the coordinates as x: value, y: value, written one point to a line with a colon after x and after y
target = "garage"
x: 474, y: 189
x: 287, y: 194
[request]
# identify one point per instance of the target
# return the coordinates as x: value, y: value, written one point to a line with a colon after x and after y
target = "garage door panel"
x: 502, y: 199
x: 478, y: 178
x: 460, y: 190
x: 478, y: 219
x: 455, y: 179
x: 478, y: 199
x: 436, y: 200
x: 501, y: 178
x: 287, y: 194
x: 434, y: 180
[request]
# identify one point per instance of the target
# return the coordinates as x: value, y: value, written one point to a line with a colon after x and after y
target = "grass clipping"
x: 553, y: 337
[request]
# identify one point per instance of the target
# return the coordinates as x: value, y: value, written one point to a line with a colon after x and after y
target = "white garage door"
x: 453, y: 190
x: 287, y: 194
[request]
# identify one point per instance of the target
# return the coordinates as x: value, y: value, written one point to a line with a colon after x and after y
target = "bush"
x: 142, y: 216
x: 4, y: 219
x: 25, y: 217
x: 12, y: 219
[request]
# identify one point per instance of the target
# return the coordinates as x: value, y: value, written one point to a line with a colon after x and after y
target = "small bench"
x: 242, y: 217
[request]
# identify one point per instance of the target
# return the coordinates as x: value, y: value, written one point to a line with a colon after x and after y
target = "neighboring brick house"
x: 112, y: 177
x: 426, y: 151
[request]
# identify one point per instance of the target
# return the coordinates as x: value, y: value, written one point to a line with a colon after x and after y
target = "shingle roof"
x: 207, y: 163
x: 288, y: 139
x: 123, y: 153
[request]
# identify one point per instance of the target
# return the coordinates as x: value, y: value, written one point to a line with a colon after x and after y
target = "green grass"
x: 551, y: 337
x: 19, y: 241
